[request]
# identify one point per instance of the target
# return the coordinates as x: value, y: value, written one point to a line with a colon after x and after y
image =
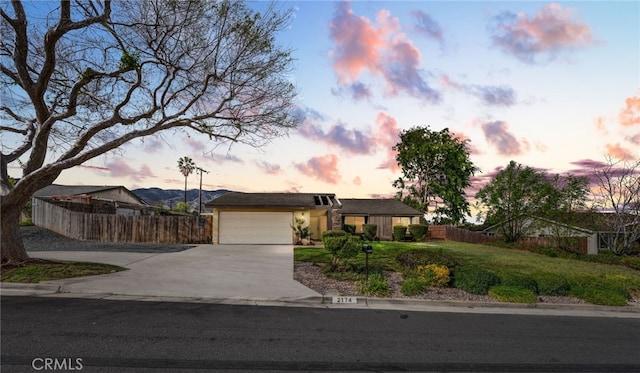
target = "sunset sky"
x: 550, y: 85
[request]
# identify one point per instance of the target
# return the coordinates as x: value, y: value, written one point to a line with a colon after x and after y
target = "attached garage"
x: 244, y: 227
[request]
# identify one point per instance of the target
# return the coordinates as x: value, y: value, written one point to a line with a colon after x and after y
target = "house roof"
x: 287, y: 200
x: 314, y: 201
x: 588, y: 221
x: 377, y: 207
x: 596, y: 221
x: 76, y: 190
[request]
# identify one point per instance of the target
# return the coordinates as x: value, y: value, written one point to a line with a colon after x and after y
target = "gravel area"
x: 312, y: 277
x: 41, y: 239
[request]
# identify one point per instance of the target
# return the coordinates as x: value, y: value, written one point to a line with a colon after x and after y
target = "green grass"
x: 594, y: 282
x: 55, y: 270
x: 512, y: 294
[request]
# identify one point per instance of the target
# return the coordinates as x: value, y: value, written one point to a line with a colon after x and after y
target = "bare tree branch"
x: 94, y: 78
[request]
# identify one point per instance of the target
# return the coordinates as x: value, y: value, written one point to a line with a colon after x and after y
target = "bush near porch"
x: 596, y: 283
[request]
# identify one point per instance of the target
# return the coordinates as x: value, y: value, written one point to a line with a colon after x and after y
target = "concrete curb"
x: 58, y: 289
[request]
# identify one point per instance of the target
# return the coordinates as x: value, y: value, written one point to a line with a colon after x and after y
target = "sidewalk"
x: 247, y: 275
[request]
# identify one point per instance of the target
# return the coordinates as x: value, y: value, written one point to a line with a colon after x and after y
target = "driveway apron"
x: 237, y: 272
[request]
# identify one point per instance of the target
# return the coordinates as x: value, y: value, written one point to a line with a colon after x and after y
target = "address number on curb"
x: 345, y: 300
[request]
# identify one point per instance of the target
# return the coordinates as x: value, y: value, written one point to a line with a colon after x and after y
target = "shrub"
x: 603, y: 291
x: 370, y: 231
x: 399, y: 232
x: 474, y: 280
x: 300, y: 230
x: 341, y: 245
x: 512, y: 294
x: 602, y: 297
x: 413, y: 286
x: 349, y: 228
x: 411, y: 259
x: 376, y: 286
x: 519, y: 280
x: 434, y: 275
x: 552, y: 284
x: 631, y: 262
x: 418, y: 231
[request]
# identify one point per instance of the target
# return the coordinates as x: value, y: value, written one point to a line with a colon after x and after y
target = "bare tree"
x: 617, y: 195
x: 80, y: 79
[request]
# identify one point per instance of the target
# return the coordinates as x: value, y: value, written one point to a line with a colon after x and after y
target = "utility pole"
x: 200, y: 192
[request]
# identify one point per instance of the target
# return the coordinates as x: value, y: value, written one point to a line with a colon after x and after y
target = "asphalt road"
x: 175, y: 337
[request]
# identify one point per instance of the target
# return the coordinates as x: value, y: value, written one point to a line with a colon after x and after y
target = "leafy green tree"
x: 566, y: 204
x: 91, y: 76
x: 181, y: 207
x: 186, y: 167
x: 435, y: 171
x: 519, y: 192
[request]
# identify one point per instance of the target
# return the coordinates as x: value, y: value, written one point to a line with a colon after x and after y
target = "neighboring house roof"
x: 76, y: 190
x: 597, y: 221
x: 391, y: 207
x: 273, y: 200
x: 587, y: 221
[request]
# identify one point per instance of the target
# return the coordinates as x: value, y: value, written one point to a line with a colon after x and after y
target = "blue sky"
x: 550, y: 85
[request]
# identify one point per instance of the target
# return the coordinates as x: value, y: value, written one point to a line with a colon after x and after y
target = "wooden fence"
x: 451, y: 233
x: 577, y: 244
x: 123, y: 228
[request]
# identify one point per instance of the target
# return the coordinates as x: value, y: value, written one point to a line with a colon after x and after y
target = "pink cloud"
x: 488, y: 94
x: 223, y: 158
x: 382, y: 196
x: 120, y: 168
x: 618, y: 151
x: 357, y: 90
x: 426, y: 26
x: 195, y: 145
x: 587, y: 167
x: 387, y: 136
x: 470, y: 146
x: 357, y: 181
x: 357, y: 42
x: 352, y: 141
x: 497, y: 133
x: 323, y: 168
x: 269, y: 168
x: 600, y: 125
x: 152, y: 144
x: 630, y: 115
x: 552, y: 30
x: 635, y: 139
x: 380, y: 49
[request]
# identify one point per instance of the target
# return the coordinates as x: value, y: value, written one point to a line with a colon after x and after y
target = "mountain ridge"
x: 169, y: 198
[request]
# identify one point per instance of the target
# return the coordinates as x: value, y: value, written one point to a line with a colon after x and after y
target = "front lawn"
x: 594, y: 282
x: 38, y: 271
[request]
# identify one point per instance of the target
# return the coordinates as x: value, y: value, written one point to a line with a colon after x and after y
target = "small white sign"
x: 343, y: 300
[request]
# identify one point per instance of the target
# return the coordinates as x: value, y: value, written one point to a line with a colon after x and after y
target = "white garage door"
x: 255, y: 227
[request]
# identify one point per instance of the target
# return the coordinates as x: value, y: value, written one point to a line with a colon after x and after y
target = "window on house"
x: 401, y: 220
x: 358, y: 221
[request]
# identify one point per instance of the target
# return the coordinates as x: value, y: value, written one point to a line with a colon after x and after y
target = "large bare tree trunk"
x: 11, y: 244
x: 11, y: 205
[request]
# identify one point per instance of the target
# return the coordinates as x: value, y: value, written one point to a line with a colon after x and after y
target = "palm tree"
x: 186, y: 167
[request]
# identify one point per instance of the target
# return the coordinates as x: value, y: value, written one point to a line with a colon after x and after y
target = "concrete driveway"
x: 233, y: 272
